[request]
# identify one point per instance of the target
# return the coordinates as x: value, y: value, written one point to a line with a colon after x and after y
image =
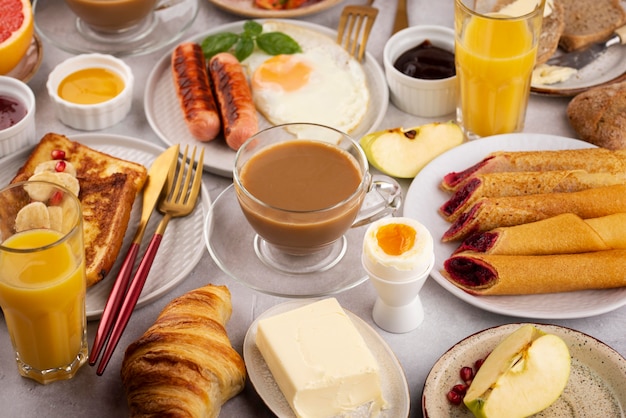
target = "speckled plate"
x: 596, y: 388
x: 393, y: 381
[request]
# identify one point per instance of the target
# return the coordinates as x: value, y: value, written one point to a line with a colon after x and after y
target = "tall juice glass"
x: 495, y: 50
x: 42, y: 279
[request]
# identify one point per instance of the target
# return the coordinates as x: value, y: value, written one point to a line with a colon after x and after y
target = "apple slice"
x: 523, y: 375
x: 403, y: 153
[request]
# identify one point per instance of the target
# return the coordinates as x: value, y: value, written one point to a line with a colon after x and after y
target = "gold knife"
x: 401, y: 20
x: 157, y: 177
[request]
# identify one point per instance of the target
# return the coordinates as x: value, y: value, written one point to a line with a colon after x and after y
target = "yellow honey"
x: 91, y: 86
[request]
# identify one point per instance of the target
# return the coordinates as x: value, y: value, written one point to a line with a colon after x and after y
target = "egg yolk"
x: 290, y: 73
x: 395, y: 239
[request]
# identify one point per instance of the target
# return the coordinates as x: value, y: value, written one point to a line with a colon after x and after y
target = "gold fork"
x: 176, y: 202
x: 356, y: 22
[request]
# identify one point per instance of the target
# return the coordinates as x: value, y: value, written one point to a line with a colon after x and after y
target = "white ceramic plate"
x: 165, y: 117
x: 609, y: 68
x: 596, y: 388
x: 247, y: 8
x: 424, y: 198
x: 393, y: 381
x: 172, y: 18
x: 182, y: 245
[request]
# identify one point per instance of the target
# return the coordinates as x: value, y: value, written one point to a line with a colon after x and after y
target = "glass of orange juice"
x: 42, y: 279
x: 495, y: 50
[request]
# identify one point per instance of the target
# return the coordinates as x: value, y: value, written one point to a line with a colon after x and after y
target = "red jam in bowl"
x: 11, y: 111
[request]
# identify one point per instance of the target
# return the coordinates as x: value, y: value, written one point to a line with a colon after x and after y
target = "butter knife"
x: 584, y: 57
x: 157, y: 177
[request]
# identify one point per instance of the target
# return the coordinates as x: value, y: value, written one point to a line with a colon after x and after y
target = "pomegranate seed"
x: 478, y: 364
x: 56, y: 198
x: 60, y: 166
x: 467, y: 374
x: 454, y: 397
x: 57, y: 154
x: 461, y: 389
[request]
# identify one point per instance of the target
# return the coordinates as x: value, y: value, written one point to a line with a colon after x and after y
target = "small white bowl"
x: 22, y: 134
x: 420, y: 97
x: 90, y: 117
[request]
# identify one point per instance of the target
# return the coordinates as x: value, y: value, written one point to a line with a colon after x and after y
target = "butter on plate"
x: 320, y: 361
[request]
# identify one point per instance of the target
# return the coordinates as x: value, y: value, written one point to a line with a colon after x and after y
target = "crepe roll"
x: 490, y: 213
x: 523, y: 183
x: 487, y: 274
x: 561, y: 234
x: 593, y: 160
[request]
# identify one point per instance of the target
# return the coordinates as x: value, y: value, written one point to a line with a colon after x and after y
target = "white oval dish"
x: 393, y: 381
x: 596, y: 388
x: 22, y: 134
x: 91, y: 117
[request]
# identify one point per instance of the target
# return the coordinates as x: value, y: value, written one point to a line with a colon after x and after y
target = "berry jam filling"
x: 469, y: 272
x: 480, y: 243
x: 460, y: 196
x: 454, y: 178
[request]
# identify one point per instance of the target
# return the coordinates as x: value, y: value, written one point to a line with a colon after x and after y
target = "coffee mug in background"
x: 42, y: 279
x: 495, y: 49
x: 112, y: 16
x: 301, y: 187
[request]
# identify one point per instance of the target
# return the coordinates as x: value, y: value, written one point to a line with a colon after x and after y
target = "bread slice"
x: 590, y: 21
x: 551, y: 30
x: 108, y: 188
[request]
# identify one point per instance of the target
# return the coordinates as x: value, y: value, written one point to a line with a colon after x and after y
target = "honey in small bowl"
x: 90, y: 86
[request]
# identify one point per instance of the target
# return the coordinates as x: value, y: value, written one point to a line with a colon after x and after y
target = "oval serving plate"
x: 247, y: 8
x: 596, y: 387
x: 166, y: 119
x: 393, y: 381
x: 550, y: 305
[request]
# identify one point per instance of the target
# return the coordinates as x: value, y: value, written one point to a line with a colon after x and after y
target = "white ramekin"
x: 22, y: 134
x: 425, y: 98
x: 90, y: 117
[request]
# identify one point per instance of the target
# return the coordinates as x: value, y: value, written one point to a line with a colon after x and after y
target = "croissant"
x: 184, y: 364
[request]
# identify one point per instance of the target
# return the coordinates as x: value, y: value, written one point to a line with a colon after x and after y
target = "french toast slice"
x: 108, y: 188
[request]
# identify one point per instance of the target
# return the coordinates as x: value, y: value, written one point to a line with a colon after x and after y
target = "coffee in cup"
x: 112, y: 16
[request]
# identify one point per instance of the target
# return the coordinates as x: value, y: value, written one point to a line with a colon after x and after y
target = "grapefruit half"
x: 16, y: 32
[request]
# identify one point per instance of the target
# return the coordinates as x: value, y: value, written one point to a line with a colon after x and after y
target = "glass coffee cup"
x: 301, y: 187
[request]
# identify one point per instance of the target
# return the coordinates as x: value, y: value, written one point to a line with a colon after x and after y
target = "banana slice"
x: 32, y: 216
x: 51, y: 167
x: 56, y: 218
x: 42, y: 192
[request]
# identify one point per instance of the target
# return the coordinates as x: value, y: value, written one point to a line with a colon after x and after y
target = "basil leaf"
x: 252, y: 28
x: 244, y: 48
x: 221, y: 42
x: 275, y: 43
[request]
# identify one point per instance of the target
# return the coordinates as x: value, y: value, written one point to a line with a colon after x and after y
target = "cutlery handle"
x: 401, y: 21
x: 130, y: 301
x: 114, y: 301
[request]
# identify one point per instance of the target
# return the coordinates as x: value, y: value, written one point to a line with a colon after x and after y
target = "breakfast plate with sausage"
x: 250, y: 9
x: 327, y: 82
x: 425, y: 197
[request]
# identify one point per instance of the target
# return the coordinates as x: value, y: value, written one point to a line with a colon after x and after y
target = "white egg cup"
x: 398, y: 308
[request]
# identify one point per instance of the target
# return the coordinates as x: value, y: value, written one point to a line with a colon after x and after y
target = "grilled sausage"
x: 194, y: 91
x: 234, y: 98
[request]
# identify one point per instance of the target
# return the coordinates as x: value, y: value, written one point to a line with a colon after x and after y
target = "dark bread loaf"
x: 590, y: 21
x: 598, y: 115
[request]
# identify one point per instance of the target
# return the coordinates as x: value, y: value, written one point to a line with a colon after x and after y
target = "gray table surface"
x: 447, y: 319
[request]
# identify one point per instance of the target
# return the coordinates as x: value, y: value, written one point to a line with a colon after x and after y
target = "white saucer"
x: 230, y: 241
x: 62, y: 28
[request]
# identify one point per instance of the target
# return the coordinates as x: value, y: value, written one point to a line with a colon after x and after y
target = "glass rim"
x: 363, y: 166
x: 66, y: 235
x: 537, y: 10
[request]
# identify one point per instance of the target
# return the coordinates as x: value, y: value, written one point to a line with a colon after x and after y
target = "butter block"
x: 320, y: 361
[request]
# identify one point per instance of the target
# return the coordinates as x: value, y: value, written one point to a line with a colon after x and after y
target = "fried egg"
x: 397, y: 249
x: 323, y: 84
